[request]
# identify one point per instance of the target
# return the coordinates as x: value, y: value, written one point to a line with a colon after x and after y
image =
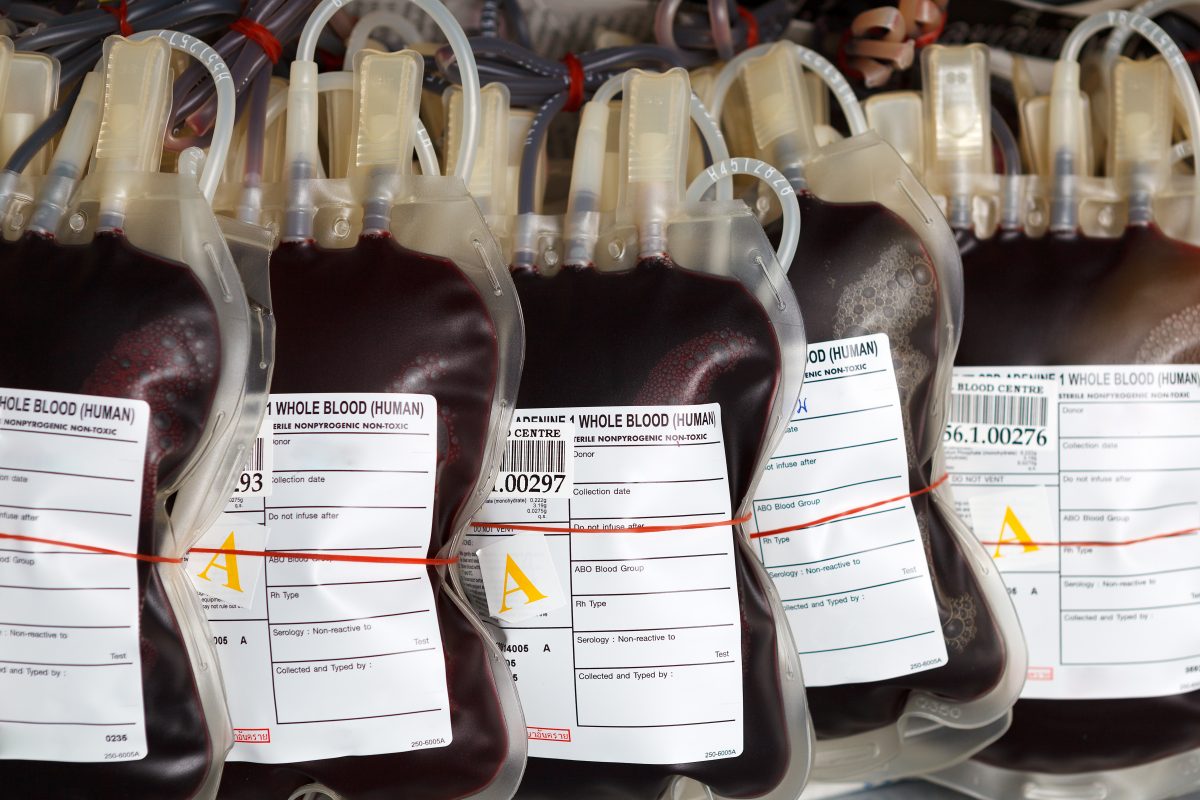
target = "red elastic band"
x: 932, y: 36
x: 90, y: 549
x: 261, y: 36
x: 690, y: 526
x: 1085, y: 543
x: 436, y: 562
x: 751, y: 21
x: 850, y: 512
x: 121, y: 12
x: 843, y: 60
x: 574, y: 82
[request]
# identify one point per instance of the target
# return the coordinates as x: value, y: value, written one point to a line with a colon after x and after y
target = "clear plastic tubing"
x: 1117, y: 39
x: 344, y: 82
x: 706, y: 122
x: 810, y: 59
x: 222, y: 134
x: 465, y: 163
x: 1065, y: 91
x: 369, y: 23
x: 789, y: 240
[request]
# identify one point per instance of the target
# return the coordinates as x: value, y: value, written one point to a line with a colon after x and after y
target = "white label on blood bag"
x: 1107, y: 584
x: 520, y: 577
x: 855, y: 584
x: 539, y: 457
x: 643, y: 665
x: 336, y: 658
x: 255, y: 477
x: 70, y: 661
x: 227, y: 576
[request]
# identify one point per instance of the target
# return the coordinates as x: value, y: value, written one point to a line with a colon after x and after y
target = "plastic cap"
x: 6, y: 59
x: 489, y: 178
x: 386, y: 98
x: 300, y: 147
x: 587, y: 168
x: 1141, y: 118
x: 79, y: 136
x: 1067, y: 123
x: 958, y: 130
x: 137, y: 82
x: 654, y: 122
x: 702, y: 80
x: 337, y: 128
x: 818, y: 97
x: 780, y: 111
x: 1035, y: 125
x: 898, y: 118
x: 36, y: 75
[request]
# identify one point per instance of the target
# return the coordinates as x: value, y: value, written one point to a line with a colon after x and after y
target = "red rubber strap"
x: 690, y: 526
x: 752, y: 33
x: 574, y: 82
x: 121, y: 12
x: 261, y: 36
x: 87, y: 548
x: 852, y: 511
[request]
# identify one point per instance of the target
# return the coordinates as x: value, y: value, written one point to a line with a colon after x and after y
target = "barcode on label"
x: 998, y: 409
x: 255, y: 478
x: 255, y: 462
x: 535, y: 455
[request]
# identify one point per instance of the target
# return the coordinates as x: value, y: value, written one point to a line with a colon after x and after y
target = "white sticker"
x: 643, y: 664
x: 855, y: 586
x: 1015, y: 518
x: 991, y: 413
x: 520, y: 577
x: 539, y: 456
x: 1095, y: 532
x: 70, y: 658
x: 335, y: 658
x: 255, y: 477
x: 224, y: 576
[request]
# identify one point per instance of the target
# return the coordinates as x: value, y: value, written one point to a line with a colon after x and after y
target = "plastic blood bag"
x: 1086, y: 341
x: 893, y: 605
x: 662, y: 376
x: 397, y: 359
x: 127, y: 369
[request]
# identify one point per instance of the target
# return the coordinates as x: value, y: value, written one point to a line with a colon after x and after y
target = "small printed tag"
x: 990, y: 413
x: 538, y: 457
x: 1013, y: 522
x: 519, y: 578
x: 255, y: 479
x: 225, y: 576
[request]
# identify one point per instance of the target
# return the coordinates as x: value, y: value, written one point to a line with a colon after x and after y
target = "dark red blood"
x: 108, y: 319
x: 380, y: 318
x: 1070, y: 300
x: 661, y: 334
x: 862, y: 270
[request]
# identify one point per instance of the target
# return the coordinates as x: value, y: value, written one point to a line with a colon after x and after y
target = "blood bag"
x: 359, y: 672
x: 1083, y: 335
x: 911, y: 650
x: 662, y: 369
x: 133, y: 372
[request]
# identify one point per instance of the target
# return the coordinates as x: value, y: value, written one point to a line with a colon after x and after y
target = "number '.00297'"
x: 529, y: 482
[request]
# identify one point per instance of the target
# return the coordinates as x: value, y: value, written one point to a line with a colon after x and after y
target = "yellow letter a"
x: 523, y: 584
x: 230, y: 567
x: 1019, y: 533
